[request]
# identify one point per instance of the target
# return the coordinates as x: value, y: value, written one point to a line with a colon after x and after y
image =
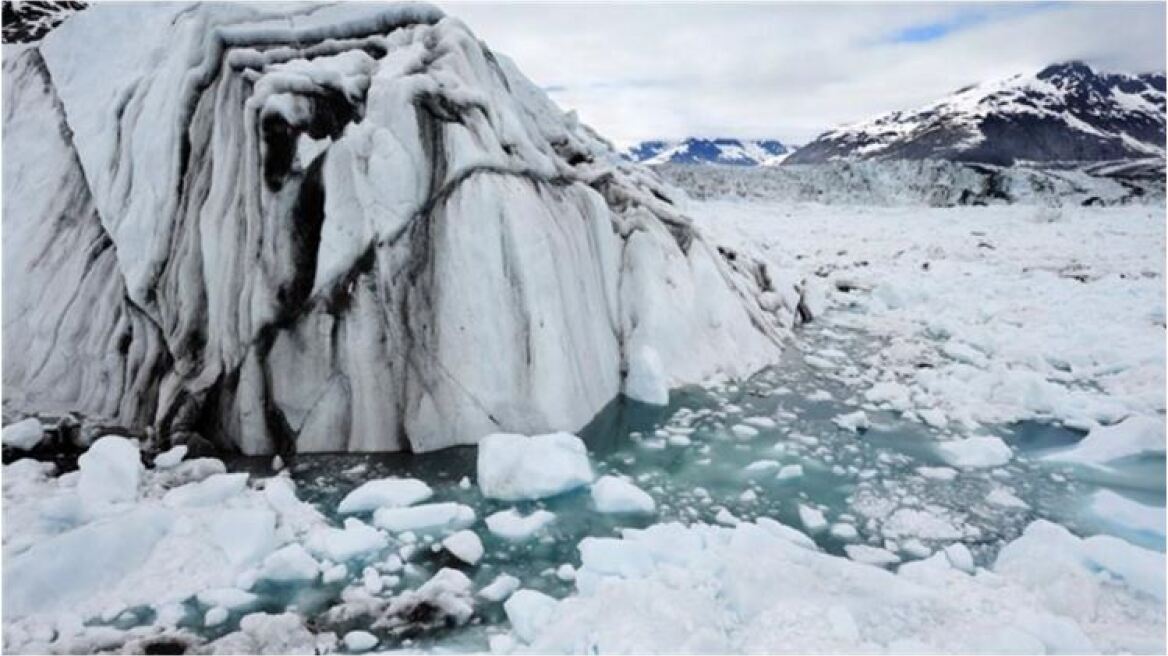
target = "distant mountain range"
x: 1065, y: 112
x: 722, y: 151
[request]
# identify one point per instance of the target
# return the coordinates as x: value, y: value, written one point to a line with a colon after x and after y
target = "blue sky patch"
x: 963, y: 20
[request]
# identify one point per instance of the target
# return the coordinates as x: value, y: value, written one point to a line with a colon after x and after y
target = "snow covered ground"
x: 986, y: 315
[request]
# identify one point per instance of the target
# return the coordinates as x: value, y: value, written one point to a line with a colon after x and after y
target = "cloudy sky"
x: 638, y: 71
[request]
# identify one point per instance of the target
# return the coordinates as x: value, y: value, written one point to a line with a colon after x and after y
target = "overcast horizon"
x: 639, y: 71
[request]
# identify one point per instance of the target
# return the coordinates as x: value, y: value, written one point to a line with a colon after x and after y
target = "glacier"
x: 314, y: 228
x: 928, y: 183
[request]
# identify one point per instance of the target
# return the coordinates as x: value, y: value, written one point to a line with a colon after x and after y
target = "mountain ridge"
x: 1064, y: 112
x: 724, y: 151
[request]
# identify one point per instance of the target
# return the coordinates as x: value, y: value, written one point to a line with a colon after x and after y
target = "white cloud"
x: 639, y: 71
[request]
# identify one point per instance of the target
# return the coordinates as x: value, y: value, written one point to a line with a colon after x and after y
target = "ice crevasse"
x: 339, y: 228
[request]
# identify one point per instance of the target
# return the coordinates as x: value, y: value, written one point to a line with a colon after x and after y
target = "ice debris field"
x: 938, y: 463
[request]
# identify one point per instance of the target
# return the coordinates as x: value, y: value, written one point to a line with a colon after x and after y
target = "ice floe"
x: 975, y: 452
x: 386, y: 492
x: 24, y: 434
x: 444, y: 516
x: 514, y: 526
x: 514, y: 467
x: 612, y: 494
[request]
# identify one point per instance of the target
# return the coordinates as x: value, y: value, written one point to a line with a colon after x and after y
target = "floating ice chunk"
x: 853, y: 421
x: 748, y: 496
x: 464, y: 545
x: 229, y: 598
x: 1049, y: 557
x: 194, y: 470
x: 975, y: 452
x: 611, y: 494
x: 69, y: 567
x: 247, y: 579
x: 743, y: 431
x: 915, y: 548
x: 760, y: 422
x: 500, y: 588
x: 932, y: 571
x: 213, y: 490
x: 844, y: 531
x: 653, y: 444
x: 371, y: 581
x: 920, y: 523
x: 646, y: 381
x: 566, y: 572
x: 384, y: 493
x: 726, y: 517
x: 334, y: 574
x: 820, y: 395
x: 245, y: 535
x: 528, y: 611
x: 896, y: 395
x: 170, y: 458
x: 760, y: 467
x: 264, y: 633
x: 215, y: 616
x: 1118, y: 509
x: 510, y: 525
x: 789, y: 471
x: 393, y: 563
x: 938, y: 473
x: 959, y: 557
x: 447, y: 595
x: 360, y: 641
x: 110, y: 471
x: 341, y: 544
x: 613, y: 557
x: 1000, y: 496
x: 862, y: 553
x: 426, y: 517
x: 813, y: 520
x: 792, y: 535
x: 24, y: 434
x: 290, y: 563
x: 934, y: 417
x: 1130, y: 437
x: 514, y: 467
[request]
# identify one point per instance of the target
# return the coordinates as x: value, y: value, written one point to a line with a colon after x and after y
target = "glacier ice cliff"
x: 353, y: 227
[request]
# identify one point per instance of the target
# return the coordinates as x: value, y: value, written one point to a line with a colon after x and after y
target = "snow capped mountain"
x: 726, y: 152
x: 1065, y: 112
x: 347, y: 227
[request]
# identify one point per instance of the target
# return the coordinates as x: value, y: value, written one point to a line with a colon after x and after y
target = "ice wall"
x: 338, y: 228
